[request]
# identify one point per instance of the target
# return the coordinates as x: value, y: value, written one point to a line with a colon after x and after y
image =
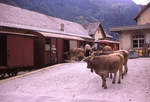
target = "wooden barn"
x: 16, y: 48
x: 43, y: 39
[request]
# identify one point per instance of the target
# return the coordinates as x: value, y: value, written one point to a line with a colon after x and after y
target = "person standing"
x: 95, y: 46
x: 87, y: 50
x: 115, y: 47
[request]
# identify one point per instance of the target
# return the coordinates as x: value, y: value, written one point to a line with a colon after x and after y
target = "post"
x: 119, y: 15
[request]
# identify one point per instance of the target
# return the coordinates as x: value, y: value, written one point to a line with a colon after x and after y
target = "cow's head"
x: 80, y: 56
x: 89, y: 62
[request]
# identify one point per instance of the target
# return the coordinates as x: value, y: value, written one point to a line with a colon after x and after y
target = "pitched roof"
x: 142, y: 10
x: 110, y: 41
x: 130, y: 28
x: 92, y: 28
x: 21, y: 18
x: 14, y: 33
x: 109, y: 36
x: 61, y: 36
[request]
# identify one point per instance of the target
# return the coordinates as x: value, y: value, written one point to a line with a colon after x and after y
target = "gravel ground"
x: 73, y: 82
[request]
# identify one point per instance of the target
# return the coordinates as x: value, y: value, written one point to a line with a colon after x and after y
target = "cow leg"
x: 120, y: 74
x: 102, y: 80
x: 105, y: 86
x: 126, y: 67
x: 114, y: 79
x: 124, y: 70
x: 110, y: 75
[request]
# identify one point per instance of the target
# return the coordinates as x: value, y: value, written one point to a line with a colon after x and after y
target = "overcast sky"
x: 141, y: 1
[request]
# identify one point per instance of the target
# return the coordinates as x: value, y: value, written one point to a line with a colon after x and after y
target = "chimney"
x: 62, y: 27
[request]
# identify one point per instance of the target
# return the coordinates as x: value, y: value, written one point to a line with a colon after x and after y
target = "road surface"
x: 73, y: 82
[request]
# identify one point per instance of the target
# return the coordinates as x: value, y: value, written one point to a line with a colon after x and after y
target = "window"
x: 47, y: 41
x: 138, y: 41
x: 47, y: 44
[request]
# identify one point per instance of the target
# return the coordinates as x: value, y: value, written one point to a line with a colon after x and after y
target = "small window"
x: 47, y: 41
x: 135, y: 43
x: 47, y: 44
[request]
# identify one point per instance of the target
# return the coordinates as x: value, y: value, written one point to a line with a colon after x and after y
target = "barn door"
x: 66, y: 49
x: 3, y: 51
x: 66, y: 45
x: 60, y: 48
x: 20, y: 51
x: 15, y: 52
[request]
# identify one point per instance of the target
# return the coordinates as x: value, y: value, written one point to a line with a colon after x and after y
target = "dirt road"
x: 73, y: 82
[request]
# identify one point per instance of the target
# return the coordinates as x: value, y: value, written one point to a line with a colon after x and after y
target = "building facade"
x: 136, y: 37
x: 96, y: 31
x: 42, y: 39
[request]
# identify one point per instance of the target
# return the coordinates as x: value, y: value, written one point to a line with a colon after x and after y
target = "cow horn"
x: 84, y: 59
x: 89, y: 58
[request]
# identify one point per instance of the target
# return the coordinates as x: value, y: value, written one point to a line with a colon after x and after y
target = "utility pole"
x: 119, y: 15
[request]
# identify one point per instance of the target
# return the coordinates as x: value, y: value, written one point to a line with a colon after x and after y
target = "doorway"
x: 3, y: 51
x: 66, y: 49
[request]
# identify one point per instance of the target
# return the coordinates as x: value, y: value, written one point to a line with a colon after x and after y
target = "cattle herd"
x: 104, y: 62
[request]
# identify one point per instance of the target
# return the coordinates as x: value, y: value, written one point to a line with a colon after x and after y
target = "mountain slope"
x: 83, y: 11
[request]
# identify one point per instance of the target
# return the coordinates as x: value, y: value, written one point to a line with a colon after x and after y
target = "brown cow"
x: 123, y: 52
x: 104, y: 64
x: 107, y: 48
x: 77, y: 54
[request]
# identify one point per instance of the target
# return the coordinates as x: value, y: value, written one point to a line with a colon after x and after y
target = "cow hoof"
x: 113, y: 82
x: 105, y: 87
x: 119, y: 82
x: 111, y: 76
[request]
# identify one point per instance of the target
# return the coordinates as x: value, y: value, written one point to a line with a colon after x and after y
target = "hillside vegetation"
x: 84, y: 11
